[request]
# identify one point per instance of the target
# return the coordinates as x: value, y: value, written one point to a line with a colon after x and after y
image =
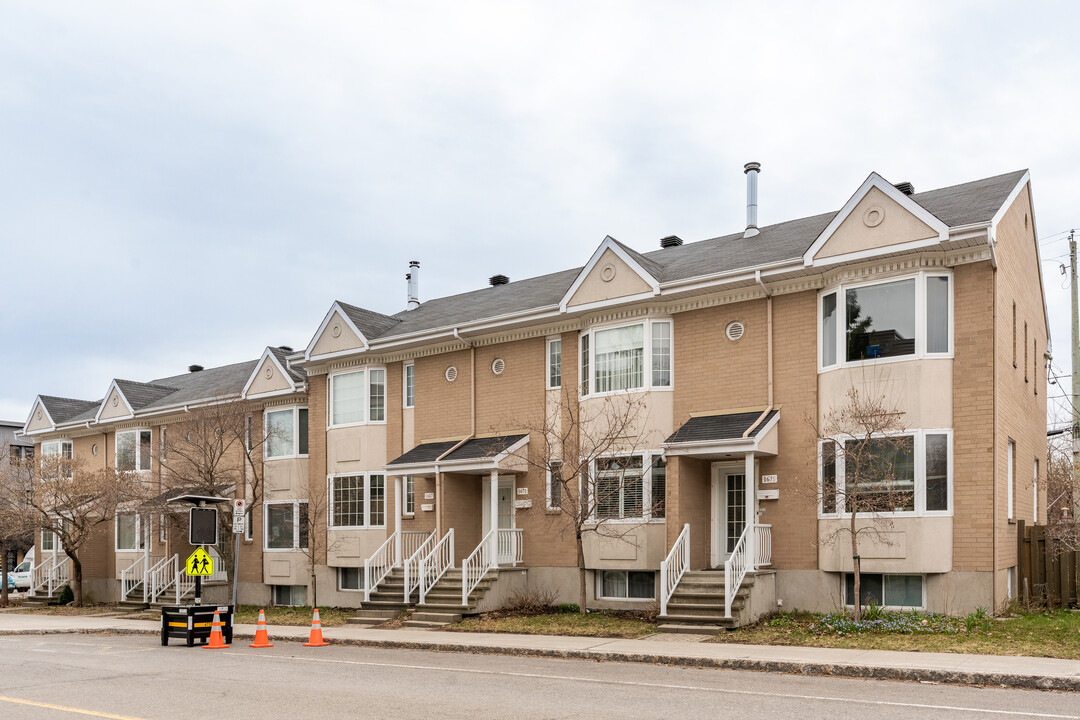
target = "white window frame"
x: 408, y: 489
x: 359, y: 575
x: 647, y: 457
x: 367, y: 501
x: 849, y: 604
x: 920, y: 510
x: 296, y: 525
x: 295, y: 428
x: 408, y: 382
x: 920, y: 321
x: 1011, y: 478
x: 366, y: 413
x: 547, y: 485
x: 60, y: 446
x: 141, y: 538
x: 646, y: 359
x: 1035, y: 494
x: 600, y: 586
x: 138, y: 448
x: 548, y: 364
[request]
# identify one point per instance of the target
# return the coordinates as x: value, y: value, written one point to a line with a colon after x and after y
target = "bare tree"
x: 1062, y: 527
x: 16, y: 515
x: 590, y: 451
x: 864, y: 437
x: 315, y: 541
x: 74, y: 501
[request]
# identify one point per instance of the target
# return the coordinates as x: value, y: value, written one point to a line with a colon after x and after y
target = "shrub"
x: 531, y: 599
x: 568, y: 608
x: 980, y: 619
x: 65, y: 596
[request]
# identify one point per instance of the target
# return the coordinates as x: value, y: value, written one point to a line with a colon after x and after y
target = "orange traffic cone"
x: 315, y: 639
x: 217, y: 642
x: 262, y: 639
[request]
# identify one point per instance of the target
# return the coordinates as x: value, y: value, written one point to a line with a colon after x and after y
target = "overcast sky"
x: 190, y: 182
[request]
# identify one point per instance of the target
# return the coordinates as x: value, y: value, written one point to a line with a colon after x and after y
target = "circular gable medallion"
x: 115, y: 401
x: 269, y: 373
x: 336, y: 330
x: 39, y: 414
x: 873, y: 216
x: 607, y: 273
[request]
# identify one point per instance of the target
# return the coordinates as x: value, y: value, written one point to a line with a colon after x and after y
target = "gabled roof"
x: 279, y: 358
x: 368, y: 322
x: 64, y: 410
x: 648, y: 270
x: 139, y: 395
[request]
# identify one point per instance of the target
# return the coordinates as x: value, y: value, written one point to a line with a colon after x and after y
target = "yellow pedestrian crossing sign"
x: 200, y: 563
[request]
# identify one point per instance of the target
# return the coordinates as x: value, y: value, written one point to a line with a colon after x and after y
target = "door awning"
x: 477, y: 456
x: 725, y: 435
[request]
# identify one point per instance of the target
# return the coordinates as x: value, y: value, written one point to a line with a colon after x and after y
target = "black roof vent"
x: 285, y: 348
x: 194, y: 368
x: 498, y: 280
x: 906, y: 188
x: 670, y: 241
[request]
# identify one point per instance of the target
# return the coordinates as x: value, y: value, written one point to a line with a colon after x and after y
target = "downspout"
x: 769, y: 345
x: 993, y: 456
x: 439, y: 490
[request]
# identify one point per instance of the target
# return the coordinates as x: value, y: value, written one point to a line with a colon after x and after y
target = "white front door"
x: 506, y: 506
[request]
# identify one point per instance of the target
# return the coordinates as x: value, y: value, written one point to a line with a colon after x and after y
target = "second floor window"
x: 631, y: 357
x: 554, y: 364
x: 133, y: 450
x: 358, y: 501
x: 629, y: 487
x: 286, y: 432
x: 410, y: 385
x: 358, y: 397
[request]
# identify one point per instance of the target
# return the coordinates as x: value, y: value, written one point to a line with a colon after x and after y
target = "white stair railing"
x: 763, y: 545
x: 135, y: 575
x: 735, y: 569
x: 435, y: 564
x: 673, y: 567
x: 411, y: 540
x: 511, y: 546
x: 475, y: 567
x: 184, y: 582
x: 379, y: 565
x: 159, y: 578
x: 60, y: 576
x: 221, y: 573
x: 39, y: 576
x: 412, y: 564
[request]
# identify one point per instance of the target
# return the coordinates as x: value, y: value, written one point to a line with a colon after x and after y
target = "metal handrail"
x: 511, y: 546
x: 735, y: 569
x: 673, y: 567
x: 763, y: 545
x: 412, y: 564
x: 381, y: 562
x: 435, y: 564
x: 475, y: 567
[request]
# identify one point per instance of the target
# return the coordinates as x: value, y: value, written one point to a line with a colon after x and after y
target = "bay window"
x: 131, y: 535
x: 906, y: 317
x: 624, y: 487
x: 286, y: 525
x: 359, y: 396
x: 133, y: 450
x: 908, y: 474
x: 358, y: 501
x: 286, y: 433
x: 629, y: 357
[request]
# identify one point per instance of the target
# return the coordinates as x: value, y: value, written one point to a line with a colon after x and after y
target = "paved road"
x: 47, y: 677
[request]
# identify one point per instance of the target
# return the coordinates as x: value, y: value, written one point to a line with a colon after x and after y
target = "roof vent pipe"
x: 498, y: 280
x: 413, y: 278
x: 670, y: 241
x: 194, y: 368
x: 751, y: 169
x: 905, y: 187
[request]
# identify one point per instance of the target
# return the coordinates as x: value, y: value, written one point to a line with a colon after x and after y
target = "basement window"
x: 893, y: 591
x: 350, y: 579
x: 627, y: 585
x: 289, y: 595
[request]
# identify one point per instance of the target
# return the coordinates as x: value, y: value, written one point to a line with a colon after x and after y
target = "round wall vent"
x: 451, y: 374
x: 498, y: 366
x: 93, y: 450
x: 734, y: 331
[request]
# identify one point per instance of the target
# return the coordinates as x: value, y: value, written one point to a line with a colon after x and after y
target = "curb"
x: 787, y: 667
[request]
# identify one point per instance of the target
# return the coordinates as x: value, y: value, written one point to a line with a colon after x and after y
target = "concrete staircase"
x: 386, y: 602
x: 442, y: 606
x: 697, y: 605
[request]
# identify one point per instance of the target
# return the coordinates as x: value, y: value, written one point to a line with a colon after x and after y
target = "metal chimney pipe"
x: 414, y: 284
x: 751, y: 169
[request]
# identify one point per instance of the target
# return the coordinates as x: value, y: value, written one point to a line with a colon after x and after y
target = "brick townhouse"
x: 721, y: 496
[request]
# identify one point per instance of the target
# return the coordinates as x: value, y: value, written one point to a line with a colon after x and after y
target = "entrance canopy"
x: 727, y: 436
x: 477, y: 456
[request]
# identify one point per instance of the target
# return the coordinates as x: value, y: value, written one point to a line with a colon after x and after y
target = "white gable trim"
x: 108, y: 394
x: 1023, y: 183
x: 258, y: 368
x: 335, y: 308
x: 609, y: 244
x: 38, y: 403
x: 875, y: 180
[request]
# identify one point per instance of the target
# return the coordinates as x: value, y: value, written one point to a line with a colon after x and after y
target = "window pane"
x: 618, y: 487
x: 555, y: 485
x: 348, y: 501
x: 584, y: 364
x: 659, y: 488
x: 302, y: 432
x: 350, y: 578
x: 869, y: 588
x: 280, y: 527
x: 125, y: 532
x: 937, y: 472
x: 614, y: 584
x: 144, y: 449
x: 410, y: 380
x: 410, y: 496
x: 828, y: 477
x: 937, y: 314
x: 303, y: 526
x: 828, y: 330
x: 555, y: 364
x: 661, y: 354
x: 619, y: 358
x: 279, y: 433
x: 879, y: 474
x: 378, y: 396
x: 47, y: 538
x: 641, y: 585
x: 348, y: 399
x: 881, y: 320
x: 125, y: 451
x: 903, y: 590
x: 378, y: 500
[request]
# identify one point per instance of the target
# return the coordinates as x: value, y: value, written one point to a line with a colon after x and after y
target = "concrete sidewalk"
x: 1008, y: 671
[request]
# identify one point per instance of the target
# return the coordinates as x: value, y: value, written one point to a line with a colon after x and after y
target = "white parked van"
x: 21, y: 573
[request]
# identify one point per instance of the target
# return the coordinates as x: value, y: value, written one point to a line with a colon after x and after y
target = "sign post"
x: 239, y: 507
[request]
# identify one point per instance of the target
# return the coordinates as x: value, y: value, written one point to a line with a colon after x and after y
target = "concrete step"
x: 425, y: 624
x: 132, y: 605
x: 720, y: 620
x: 689, y: 629
x: 438, y: 618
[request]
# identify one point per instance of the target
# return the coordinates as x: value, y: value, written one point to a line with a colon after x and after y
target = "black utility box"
x: 193, y: 622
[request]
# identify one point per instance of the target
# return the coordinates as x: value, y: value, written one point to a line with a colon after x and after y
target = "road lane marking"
x: 77, y: 711
x: 664, y: 686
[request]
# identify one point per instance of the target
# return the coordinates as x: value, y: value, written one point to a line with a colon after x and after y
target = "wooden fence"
x: 1043, y: 577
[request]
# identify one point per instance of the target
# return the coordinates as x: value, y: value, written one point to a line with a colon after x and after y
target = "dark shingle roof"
x: 204, y: 384
x: 971, y: 202
x: 139, y: 395
x: 64, y: 410
x: 297, y: 374
x: 475, y: 449
x: 370, y: 323
x: 726, y: 426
